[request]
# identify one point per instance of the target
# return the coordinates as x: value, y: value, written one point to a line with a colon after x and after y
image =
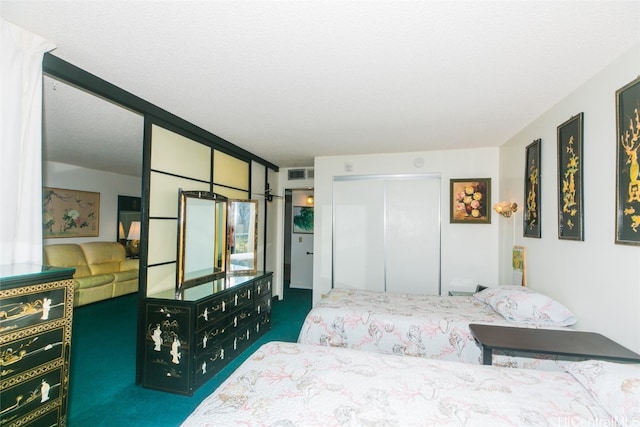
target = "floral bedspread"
x: 429, y: 326
x: 290, y: 384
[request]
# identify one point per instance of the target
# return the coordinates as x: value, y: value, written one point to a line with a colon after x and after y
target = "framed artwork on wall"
x: 303, y: 219
x: 70, y: 213
x: 532, y: 190
x: 519, y: 263
x: 470, y: 201
x: 627, y: 166
x: 570, y: 165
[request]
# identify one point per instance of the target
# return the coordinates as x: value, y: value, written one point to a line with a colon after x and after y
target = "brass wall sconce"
x: 505, y: 208
x: 310, y: 200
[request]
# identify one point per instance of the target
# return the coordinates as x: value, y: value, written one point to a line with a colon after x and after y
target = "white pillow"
x: 616, y: 387
x: 520, y: 304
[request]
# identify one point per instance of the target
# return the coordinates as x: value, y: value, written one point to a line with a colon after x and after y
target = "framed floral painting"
x: 531, y: 215
x: 470, y: 201
x: 570, y: 165
x: 70, y: 213
x: 627, y: 164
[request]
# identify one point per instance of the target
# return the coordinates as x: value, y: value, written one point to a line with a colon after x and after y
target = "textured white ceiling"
x: 291, y: 80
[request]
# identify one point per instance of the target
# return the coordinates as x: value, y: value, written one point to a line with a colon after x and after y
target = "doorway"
x: 298, y: 239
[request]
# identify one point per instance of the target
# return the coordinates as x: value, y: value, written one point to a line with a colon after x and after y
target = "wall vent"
x: 296, y: 174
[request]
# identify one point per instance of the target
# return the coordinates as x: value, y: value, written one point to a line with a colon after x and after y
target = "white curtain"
x: 21, y: 55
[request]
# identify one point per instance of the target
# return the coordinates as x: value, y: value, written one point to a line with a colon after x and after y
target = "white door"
x: 358, y: 243
x: 413, y: 236
x: 386, y: 233
x: 301, y: 240
x: 301, y: 261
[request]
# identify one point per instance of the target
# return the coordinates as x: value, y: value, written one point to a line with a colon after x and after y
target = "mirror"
x: 202, y: 239
x: 242, y: 235
x: 128, y: 212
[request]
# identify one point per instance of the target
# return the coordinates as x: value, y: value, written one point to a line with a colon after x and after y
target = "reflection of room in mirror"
x: 76, y: 124
x: 202, y: 237
x: 199, y: 246
x: 128, y: 213
x: 241, y: 235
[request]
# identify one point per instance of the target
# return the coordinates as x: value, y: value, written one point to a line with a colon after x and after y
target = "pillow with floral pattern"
x: 521, y: 304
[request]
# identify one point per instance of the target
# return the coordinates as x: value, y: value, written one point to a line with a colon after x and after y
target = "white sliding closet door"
x: 386, y: 234
x: 413, y: 235
x: 358, y: 245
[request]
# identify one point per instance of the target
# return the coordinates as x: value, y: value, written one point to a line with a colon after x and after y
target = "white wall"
x: 275, y: 236
x: 109, y: 185
x: 469, y: 251
x: 597, y: 279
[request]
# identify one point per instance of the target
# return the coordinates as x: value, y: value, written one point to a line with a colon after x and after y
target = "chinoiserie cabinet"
x: 191, y: 336
x: 36, y: 310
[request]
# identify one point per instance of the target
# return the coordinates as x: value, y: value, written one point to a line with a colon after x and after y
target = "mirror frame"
x: 253, y: 223
x: 219, y: 241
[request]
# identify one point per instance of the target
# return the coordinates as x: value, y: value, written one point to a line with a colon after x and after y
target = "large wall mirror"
x: 202, y: 237
x: 242, y: 236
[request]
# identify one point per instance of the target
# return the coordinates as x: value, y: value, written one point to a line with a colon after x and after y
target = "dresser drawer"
x: 240, y: 297
x: 211, y: 310
x: 263, y: 305
x: 34, y: 394
x: 221, y: 353
x: 222, y: 328
x: 262, y: 325
x: 262, y: 286
x: 19, y: 310
x: 31, y: 351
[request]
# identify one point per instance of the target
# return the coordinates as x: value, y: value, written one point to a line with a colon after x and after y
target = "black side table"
x: 588, y: 345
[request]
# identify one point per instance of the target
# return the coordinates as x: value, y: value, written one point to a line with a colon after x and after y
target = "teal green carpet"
x: 102, y: 390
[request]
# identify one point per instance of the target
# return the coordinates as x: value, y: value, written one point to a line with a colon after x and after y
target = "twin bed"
x: 292, y: 384
x: 345, y: 369
x: 430, y: 326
